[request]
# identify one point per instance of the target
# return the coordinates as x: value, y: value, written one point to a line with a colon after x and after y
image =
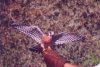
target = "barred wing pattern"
x: 66, y: 38
x: 32, y: 31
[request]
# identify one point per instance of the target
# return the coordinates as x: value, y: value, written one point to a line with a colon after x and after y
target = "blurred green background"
x: 80, y: 16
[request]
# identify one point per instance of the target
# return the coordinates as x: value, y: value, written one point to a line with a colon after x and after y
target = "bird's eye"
x: 51, y: 33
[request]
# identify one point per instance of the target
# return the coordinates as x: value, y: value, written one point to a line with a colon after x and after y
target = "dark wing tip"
x: 37, y: 49
x: 82, y: 38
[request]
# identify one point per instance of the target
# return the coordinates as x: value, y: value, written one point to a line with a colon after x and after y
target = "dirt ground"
x: 79, y: 16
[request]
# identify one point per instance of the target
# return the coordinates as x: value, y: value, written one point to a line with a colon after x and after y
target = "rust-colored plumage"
x: 52, y: 59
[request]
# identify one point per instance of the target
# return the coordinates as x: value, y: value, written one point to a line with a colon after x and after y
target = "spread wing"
x: 32, y: 31
x: 66, y: 38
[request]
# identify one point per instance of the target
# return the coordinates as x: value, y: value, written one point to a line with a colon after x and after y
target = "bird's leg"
x: 44, y: 48
x: 49, y: 47
x: 42, y: 45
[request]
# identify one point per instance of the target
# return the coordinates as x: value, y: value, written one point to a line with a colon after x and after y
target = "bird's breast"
x: 46, y: 40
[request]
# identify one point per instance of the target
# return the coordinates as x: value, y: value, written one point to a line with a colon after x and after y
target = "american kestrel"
x: 46, y: 40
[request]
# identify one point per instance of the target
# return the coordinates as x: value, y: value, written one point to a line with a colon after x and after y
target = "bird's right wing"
x: 31, y: 31
x: 66, y: 38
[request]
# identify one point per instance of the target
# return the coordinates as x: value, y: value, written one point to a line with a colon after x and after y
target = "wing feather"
x: 66, y: 38
x: 32, y: 31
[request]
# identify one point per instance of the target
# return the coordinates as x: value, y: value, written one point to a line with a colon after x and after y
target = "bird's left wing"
x: 66, y: 38
x: 32, y: 31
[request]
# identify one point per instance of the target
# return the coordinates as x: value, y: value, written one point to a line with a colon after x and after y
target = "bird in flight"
x: 49, y: 39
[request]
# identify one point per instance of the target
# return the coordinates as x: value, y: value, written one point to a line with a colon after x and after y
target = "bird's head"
x: 47, y: 39
x: 51, y: 33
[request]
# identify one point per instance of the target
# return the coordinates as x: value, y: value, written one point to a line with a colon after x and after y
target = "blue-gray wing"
x: 66, y: 38
x: 32, y: 31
